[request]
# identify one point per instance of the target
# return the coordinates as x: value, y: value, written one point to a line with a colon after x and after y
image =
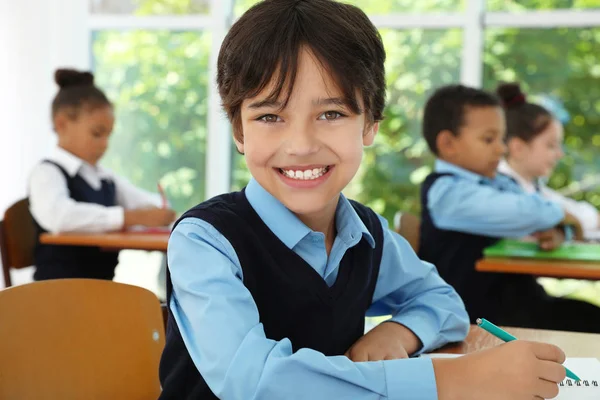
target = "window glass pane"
x: 561, y: 68
x: 516, y: 5
x: 418, y: 61
x: 150, y: 7
x: 380, y: 7
x: 158, y: 81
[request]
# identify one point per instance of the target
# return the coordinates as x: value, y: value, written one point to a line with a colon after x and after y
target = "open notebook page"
x: 588, y: 369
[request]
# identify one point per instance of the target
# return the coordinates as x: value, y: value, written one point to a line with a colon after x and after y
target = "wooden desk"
x: 553, y: 268
x: 110, y: 241
x: 573, y: 344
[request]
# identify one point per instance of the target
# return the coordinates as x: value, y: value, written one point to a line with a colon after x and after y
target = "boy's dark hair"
x: 77, y: 90
x: 265, y: 43
x: 447, y: 107
x: 523, y: 119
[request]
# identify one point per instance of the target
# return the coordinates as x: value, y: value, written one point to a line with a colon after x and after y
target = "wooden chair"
x: 408, y: 226
x: 80, y: 339
x: 17, y: 238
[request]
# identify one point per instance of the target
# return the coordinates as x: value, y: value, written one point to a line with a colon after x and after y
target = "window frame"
x: 473, y: 21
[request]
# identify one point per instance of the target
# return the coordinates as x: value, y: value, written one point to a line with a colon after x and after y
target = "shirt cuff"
x: 410, y: 379
x: 115, y: 218
x: 418, y: 325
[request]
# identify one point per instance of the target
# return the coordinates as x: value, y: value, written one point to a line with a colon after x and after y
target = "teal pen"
x: 507, y: 337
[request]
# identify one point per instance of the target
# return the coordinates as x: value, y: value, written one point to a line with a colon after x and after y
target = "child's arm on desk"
x: 466, y: 206
x: 426, y: 312
x: 518, y: 370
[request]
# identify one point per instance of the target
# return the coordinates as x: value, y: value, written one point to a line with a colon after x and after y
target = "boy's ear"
x: 445, y: 143
x: 239, y: 144
x: 370, y: 133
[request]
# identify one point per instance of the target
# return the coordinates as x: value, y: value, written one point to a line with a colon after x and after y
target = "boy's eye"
x: 269, y: 118
x: 489, y: 140
x: 330, y: 115
x: 97, y: 134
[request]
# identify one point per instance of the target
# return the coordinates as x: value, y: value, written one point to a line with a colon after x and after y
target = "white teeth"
x: 308, y: 174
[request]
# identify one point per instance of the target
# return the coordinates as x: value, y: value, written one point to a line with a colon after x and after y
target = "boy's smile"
x: 304, y: 152
x: 308, y: 176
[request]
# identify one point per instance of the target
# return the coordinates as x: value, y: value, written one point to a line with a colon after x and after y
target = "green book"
x: 568, y: 251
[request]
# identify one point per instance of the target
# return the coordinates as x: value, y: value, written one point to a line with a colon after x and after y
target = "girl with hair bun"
x: 70, y: 192
x: 534, y: 137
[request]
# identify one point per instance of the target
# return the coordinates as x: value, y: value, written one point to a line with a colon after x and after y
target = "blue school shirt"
x: 471, y: 203
x: 229, y: 353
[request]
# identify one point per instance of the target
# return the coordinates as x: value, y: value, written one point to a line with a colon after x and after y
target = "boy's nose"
x: 301, y: 142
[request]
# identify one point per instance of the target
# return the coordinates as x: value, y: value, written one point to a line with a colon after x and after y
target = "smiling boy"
x: 269, y: 287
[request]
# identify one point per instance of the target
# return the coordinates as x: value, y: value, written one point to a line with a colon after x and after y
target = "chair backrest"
x: 80, y: 339
x: 17, y: 238
x: 408, y: 226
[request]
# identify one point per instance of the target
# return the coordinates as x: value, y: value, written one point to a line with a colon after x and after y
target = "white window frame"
x: 473, y: 22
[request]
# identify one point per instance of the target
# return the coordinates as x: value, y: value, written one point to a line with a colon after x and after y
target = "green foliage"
x: 158, y: 81
x: 565, y: 63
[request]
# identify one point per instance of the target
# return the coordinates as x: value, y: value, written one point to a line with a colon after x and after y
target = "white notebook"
x: 587, y: 369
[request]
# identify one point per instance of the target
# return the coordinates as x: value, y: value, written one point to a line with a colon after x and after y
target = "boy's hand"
x: 387, y: 341
x: 570, y: 220
x: 151, y: 217
x: 550, y: 239
x: 518, y: 370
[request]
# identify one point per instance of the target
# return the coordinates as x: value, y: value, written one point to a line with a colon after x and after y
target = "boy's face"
x: 539, y: 157
x: 479, y: 146
x: 305, y: 154
x: 87, y: 135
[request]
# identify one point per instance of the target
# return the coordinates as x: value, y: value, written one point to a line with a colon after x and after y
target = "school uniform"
x: 66, y: 194
x: 258, y: 308
x: 586, y: 214
x: 462, y: 214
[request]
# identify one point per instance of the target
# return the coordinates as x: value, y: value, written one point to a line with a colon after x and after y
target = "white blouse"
x: 586, y: 213
x: 53, y: 208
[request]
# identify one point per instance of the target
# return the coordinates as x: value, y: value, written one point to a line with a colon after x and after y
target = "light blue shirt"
x: 471, y: 203
x: 220, y: 324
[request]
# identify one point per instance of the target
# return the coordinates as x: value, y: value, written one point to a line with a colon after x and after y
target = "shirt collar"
x: 348, y: 223
x: 289, y: 229
x: 73, y: 164
x: 442, y: 166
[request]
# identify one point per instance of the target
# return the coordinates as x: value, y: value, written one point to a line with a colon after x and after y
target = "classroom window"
x: 149, y: 7
x: 381, y: 7
x: 522, y: 5
x: 158, y: 81
x: 561, y: 68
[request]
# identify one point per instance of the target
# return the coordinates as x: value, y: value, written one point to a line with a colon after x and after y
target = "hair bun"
x: 66, y: 78
x: 511, y: 94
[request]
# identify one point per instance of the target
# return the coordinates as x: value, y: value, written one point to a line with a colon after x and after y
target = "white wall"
x: 36, y: 37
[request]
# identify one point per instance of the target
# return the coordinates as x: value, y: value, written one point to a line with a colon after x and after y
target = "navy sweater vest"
x: 292, y: 298
x: 489, y: 295
x: 55, y: 262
